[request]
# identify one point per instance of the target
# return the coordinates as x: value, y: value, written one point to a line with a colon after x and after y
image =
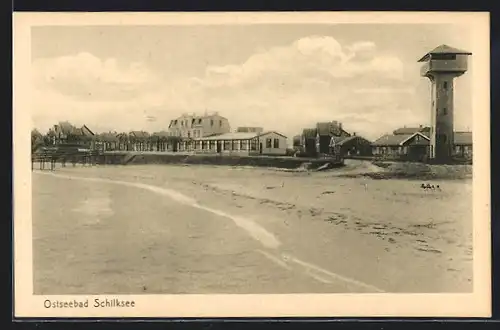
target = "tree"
x: 174, y: 141
x: 37, y: 140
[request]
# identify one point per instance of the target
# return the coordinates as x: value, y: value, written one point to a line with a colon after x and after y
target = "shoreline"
x: 348, y: 168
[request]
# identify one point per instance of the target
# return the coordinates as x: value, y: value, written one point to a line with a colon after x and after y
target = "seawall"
x: 137, y: 158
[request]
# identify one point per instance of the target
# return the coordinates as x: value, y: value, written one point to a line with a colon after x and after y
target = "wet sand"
x: 243, y: 230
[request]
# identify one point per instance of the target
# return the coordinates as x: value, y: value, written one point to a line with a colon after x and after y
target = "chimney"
x: 421, y: 126
x: 340, y: 125
x: 354, y: 134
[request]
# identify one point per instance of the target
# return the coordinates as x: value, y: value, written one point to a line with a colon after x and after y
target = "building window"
x: 220, y: 123
x: 268, y: 143
x: 445, y: 111
x: 276, y: 143
x: 445, y: 85
x: 253, y: 144
x: 189, y: 134
x: 211, y: 122
x: 227, y: 145
x: 244, y: 144
x: 199, y: 121
x: 444, y: 57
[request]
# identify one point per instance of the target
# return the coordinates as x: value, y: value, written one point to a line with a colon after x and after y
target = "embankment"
x: 420, y: 171
x: 227, y: 160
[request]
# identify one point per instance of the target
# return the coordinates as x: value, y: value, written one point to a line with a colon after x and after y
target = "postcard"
x: 223, y: 164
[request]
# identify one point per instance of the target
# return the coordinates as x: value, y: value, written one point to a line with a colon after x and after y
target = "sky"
x: 279, y: 77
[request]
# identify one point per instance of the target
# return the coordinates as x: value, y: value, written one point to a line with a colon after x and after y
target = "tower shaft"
x: 442, y: 108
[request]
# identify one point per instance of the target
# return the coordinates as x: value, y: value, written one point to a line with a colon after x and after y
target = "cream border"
x: 477, y: 304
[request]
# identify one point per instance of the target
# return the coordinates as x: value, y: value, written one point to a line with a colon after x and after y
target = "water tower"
x: 442, y: 65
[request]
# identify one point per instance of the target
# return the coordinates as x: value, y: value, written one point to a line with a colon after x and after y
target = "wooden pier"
x: 47, y: 159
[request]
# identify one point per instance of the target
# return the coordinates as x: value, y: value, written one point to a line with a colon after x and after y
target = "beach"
x: 178, y: 229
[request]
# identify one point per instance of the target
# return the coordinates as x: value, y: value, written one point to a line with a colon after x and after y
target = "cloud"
x: 85, y: 76
x: 283, y: 88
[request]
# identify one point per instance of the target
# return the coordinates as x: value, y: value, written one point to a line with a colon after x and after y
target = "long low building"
x: 415, y: 146
x: 239, y: 143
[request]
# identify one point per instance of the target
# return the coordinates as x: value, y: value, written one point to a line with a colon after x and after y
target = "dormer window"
x: 445, y: 85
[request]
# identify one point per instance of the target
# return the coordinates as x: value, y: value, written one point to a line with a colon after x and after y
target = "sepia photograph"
x: 257, y: 164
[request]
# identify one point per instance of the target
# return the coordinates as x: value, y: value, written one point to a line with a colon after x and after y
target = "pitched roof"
x: 459, y: 138
x: 391, y: 140
x: 108, y: 137
x: 410, y: 130
x: 269, y: 132
x: 194, y: 116
x: 139, y: 134
x: 84, y: 129
x: 238, y: 136
x: 444, y: 49
x: 462, y: 138
x: 230, y: 136
x: 340, y: 140
x: 161, y: 134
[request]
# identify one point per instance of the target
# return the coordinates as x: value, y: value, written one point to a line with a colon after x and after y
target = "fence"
x: 51, y: 158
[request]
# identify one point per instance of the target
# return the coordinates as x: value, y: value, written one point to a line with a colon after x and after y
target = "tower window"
x: 445, y: 111
x: 445, y: 85
x: 444, y: 57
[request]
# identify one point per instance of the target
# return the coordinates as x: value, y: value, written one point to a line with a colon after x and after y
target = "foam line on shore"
x: 256, y: 231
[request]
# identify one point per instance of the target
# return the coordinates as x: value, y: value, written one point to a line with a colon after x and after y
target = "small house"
x: 463, y: 145
x: 324, y: 133
x: 66, y: 133
x: 413, y: 146
x: 353, y: 145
